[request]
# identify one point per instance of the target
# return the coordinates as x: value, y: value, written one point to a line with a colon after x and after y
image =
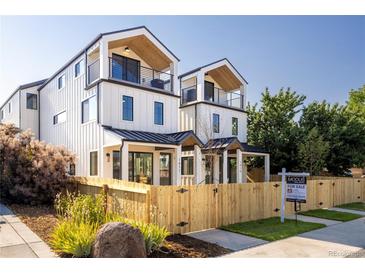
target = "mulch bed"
x: 42, y: 220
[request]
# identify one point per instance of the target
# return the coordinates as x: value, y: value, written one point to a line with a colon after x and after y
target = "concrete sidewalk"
x: 340, y: 240
x: 17, y: 240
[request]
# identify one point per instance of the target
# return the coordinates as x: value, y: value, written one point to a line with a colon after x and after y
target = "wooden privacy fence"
x: 183, y: 209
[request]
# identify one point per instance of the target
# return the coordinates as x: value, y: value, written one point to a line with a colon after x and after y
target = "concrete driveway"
x: 337, y: 240
x: 17, y: 240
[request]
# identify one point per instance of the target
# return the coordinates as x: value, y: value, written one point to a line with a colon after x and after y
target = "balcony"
x: 131, y: 71
x: 215, y: 96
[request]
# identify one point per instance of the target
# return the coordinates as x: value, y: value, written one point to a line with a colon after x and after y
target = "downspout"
x: 39, y: 114
x: 195, y: 120
x: 98, y: 103
x: 20, y: 109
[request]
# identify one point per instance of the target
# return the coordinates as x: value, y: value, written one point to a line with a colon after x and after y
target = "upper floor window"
x: 158, y: 113
x: 215, y: 123
x: 187, y: 165
x: 127, y: 108
x: 125, y: 68
x: 93, y: 163
x: 9, y: 107
x: 208, y: 91
x: 234, y: 126
x: 89, y: 109
x: 79, y: 68
x: 61, y: 81
x: 1, y: 114
x: 59, y: 118
x: 31, y: 101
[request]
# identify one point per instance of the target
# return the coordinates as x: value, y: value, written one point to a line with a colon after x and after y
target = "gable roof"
x: 225, y: 143
x: 97, y: 38
x: 24, y: 86
x: 207, y: 65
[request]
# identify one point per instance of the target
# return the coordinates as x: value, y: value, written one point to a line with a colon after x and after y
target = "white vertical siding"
x: 13, y: 116
x: 187, y: 118
x: 29, y: 117
x: 143, y: 108
x: 77, y: 137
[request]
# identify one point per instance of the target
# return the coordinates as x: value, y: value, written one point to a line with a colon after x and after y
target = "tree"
x: 313, y: 152
x: 343, y: 131
x: 356, y: 103
x: 273, y: 127
x: 31, y: 171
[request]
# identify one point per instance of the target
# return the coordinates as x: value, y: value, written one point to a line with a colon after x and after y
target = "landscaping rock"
x: 119, y: 240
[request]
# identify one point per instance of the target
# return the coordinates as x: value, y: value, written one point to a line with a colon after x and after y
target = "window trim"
x: 154, y: 113
x: 216, y: 114
x: 235, y: 119
x: 182, y: 165
x: 82, y: 70
x: 36, y: 101
x: 57, y: 115
x: 82, y: 112
x: 64, y: 82
x: 97, y: 162
x: 123, y: 119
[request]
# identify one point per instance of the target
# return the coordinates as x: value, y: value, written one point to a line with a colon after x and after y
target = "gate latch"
x: 181, y: 190
x: 182, y: 224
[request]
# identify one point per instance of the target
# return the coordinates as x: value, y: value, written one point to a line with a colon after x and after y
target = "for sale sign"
x: 296, y: 189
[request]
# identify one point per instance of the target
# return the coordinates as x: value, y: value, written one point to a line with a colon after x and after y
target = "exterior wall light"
x: 108, y: 157
x: 127, y: 50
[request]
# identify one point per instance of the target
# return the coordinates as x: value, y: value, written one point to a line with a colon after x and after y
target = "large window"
x: 158, y: 113
x: 89, y: 109
x: 61, y: 82
x: 127, y: 108
x: 79, y: 68
x: 140, y: 167
x: 125, y: 68
x: 215, y: 123
x: 59, y: 118
x: 234, y: 126
x: 93, y: 163
x: 187, y: 166
x: 31, y: 101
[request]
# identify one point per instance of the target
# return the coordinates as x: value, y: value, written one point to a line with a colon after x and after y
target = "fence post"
x: 105, y: 192
x: 148, y: 206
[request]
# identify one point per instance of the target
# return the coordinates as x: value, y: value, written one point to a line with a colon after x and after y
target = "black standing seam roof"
x: 223, y: 143
x: 152, y: 137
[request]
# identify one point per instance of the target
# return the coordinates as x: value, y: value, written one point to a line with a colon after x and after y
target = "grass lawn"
x: 354, y: 206
x: 271, y: 229
x: 331, y: 215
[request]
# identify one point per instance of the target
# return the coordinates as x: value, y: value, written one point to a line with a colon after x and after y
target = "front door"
x: 116, y: 164
x: 232, y: 170
x: 165, y: 169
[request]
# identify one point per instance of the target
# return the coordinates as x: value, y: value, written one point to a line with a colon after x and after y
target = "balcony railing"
x: 216, y: 96
x: 93, y: 71
x: 140, y: 75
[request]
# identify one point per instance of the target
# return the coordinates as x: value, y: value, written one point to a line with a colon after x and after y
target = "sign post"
x: 293, y: 189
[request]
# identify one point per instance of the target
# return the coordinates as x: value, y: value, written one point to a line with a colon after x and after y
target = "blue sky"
x: 322, y: 57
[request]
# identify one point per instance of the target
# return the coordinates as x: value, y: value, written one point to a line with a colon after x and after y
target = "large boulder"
x: 118, y: 240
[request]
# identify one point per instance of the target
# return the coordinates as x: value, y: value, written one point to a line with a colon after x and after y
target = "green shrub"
x: 74, y: 239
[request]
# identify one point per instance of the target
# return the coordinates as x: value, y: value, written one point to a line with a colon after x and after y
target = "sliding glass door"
x: 125, y: 68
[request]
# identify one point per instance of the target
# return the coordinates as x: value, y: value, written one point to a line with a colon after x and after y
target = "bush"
x: 31, y: 171
x: 71, y: 238
x: 87, y: 210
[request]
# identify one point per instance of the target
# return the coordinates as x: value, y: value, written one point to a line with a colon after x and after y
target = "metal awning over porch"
x: 231, y: 143
x: 184, y: 138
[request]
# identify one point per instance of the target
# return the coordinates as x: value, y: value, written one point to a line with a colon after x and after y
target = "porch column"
x: 197, y: 164
x: 177, y: 167
x: 156, y: 168
x: 239, y: 166
x: 225, y: 167
x: 244, y: 169
x: 267, y: 168
x: 216, y: 177
x: 124, y: 162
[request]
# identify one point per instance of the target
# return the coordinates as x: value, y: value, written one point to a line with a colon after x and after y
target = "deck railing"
x: 93, y: 71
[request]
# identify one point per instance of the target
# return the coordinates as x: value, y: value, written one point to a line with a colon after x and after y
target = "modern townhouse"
x: 122, y: 108
x: 22, y: 107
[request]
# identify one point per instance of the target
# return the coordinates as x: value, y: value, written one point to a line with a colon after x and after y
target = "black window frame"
x: 56, y: 115
x: 64, y: 81
x: 78, y: 72
x: 213, y: 123
x: 28, y: 96
x: 91, y: 159
x: 125, y: 62
x: 9, y: 107
x: 190, y: 164
x: 234, y: 121
x: 132, y: 100
x: 207, y: 98
x: 156, y: 103
x: 82, y: 110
